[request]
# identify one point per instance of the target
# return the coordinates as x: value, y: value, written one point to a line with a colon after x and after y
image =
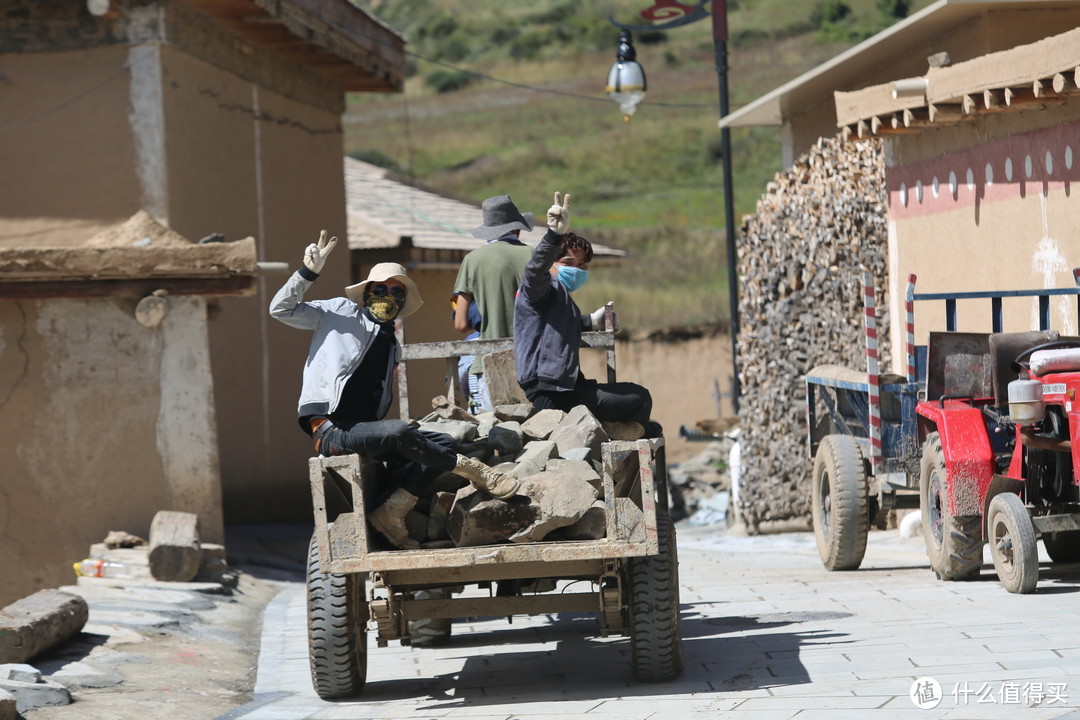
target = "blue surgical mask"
x: 572, y: 278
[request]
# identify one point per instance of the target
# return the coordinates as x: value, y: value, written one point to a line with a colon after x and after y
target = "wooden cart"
x: 355, y: 584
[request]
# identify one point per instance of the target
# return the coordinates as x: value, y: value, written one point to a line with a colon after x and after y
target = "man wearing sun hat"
x: 489, y: 277
x: 348, y: 384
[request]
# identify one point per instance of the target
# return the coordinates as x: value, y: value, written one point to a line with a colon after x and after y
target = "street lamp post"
x: 684, y: 14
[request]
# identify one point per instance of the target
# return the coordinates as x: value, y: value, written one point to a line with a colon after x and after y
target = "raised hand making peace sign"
x: 315, y: 254
x: 558, y: 215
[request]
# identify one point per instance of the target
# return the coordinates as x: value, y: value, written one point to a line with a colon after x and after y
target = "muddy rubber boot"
x: 484, y: 478
x: 623, y: 430
x: 389, y: 519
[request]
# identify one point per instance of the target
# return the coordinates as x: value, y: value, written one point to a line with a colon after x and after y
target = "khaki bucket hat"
x: 381, y: 273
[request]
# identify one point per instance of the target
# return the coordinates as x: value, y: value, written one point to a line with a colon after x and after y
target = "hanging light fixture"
x: 626, y: 78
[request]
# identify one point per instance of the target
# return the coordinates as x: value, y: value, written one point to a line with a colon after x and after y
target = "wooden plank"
x: 175, y: 554
x: 38, y: 622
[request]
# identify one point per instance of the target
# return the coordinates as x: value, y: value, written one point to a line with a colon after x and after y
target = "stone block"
x: 7, y: 706
x: 579, y: 429
x: 581, y: 453
x: 417, y: 524
x: 538, y: 452
x: 542, y: 424
x: 526, y: 468
x: 441, y: 503
x: 557, y: 499
x: 590, y: 526
x: 459, y: 430
x: 486, y: 422
x: 501, y: 377
x: 479, y: 519
x: 519, y: 412
x: 77, y: 675
x: 448, y: 411
x: 581, y: 469
x: 506, y: 438
x: 20, y: 671
x: 31, y: 696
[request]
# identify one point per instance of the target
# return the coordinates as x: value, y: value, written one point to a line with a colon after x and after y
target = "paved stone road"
x: 768, y: 634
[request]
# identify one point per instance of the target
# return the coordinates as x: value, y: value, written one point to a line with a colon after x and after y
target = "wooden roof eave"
x: 1027, y: 76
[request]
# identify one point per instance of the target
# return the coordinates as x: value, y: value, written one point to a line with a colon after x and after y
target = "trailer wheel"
x: 655, y: 639
x: 337, y: 635
x: 1062, y: 547
x: 839, y: 503
x: 1012, y: 543
x: 953, y: 543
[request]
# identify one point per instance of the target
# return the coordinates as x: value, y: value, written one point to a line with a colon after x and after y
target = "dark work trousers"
x: 609, y: 402
x: 395, y: 441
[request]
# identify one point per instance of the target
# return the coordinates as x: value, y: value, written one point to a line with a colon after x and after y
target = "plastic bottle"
x: 101, y: 568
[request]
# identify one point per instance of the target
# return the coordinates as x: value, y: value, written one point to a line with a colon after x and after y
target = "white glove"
x: 597, y: 318
x: 558, y: 215
x: 315, y: 254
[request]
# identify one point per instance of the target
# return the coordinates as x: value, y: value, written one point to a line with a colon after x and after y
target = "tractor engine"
x: 1049, y: 472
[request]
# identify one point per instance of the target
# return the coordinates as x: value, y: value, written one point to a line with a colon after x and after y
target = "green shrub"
x: 444, y: 81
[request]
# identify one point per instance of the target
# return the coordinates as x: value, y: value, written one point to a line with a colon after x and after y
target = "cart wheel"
x: 953, y: 543
x: 430, y: 631
x: 337, y: 635
x: 1012, y: 543
x: 655, y: 640
x: 841, y: 517
x: 1062, y: 547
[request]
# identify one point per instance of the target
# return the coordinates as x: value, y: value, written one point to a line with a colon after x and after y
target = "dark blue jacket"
x: 547, y: 324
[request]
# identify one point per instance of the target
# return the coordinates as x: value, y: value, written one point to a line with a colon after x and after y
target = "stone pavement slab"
x: 767, y: 633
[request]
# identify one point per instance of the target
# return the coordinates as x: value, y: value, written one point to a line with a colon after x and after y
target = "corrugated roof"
x: 384, y: 212
x: 848, y: 70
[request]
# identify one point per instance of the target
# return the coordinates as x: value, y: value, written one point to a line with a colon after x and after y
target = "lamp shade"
x: 626, y: 78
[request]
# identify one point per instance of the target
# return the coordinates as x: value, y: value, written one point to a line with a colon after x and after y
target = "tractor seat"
x: 1004, y: 347
x: 1055, y: 360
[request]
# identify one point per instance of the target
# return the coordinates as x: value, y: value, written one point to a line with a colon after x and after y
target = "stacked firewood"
x: 819, y: 226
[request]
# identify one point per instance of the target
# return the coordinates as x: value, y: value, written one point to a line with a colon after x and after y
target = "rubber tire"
x: 337, y: 630
x: 1062, y: 547
x: 429, y: 632
x: 1008, y: 519
x: 954, y: 546
x: 653, y: 586
x: 840, y: 503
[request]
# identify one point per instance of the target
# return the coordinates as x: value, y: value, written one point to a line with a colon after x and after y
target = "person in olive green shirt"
x: 489, y: 278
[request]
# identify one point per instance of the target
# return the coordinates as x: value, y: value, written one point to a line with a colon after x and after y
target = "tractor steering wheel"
x: 1019, y: 362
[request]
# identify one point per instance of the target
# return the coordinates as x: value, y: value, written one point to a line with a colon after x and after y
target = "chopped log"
x: 175, y: 554
x: 39, y: 622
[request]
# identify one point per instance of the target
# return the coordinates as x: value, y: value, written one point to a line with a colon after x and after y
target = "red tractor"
x: 980, y: 435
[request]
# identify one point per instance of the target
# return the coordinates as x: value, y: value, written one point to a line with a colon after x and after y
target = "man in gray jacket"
x: 348, y: 384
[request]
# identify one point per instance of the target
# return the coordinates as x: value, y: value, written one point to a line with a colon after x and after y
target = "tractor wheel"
x: 1012, y: 543
x: 839, y: 503
x: 431, y: 631
x: 653, y: 586
x: 1062, y: 547
x: 953, y: 543
x: 337, y: 635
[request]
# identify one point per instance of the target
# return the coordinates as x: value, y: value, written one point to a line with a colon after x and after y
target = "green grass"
x: 654, y: 185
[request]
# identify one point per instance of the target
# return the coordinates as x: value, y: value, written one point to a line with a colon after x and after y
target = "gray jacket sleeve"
x: 536, y: 280
x: 289, y: 307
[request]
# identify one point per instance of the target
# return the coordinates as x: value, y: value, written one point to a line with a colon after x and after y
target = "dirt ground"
x: 180, y: 655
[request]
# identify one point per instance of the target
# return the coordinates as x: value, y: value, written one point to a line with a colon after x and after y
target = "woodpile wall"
x: 819, y: 226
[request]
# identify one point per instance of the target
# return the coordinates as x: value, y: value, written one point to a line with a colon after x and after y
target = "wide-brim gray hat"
x: 500, y: 217
x: 381, y: 273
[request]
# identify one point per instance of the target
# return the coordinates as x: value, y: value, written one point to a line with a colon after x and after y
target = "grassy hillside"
x: 508, y: 97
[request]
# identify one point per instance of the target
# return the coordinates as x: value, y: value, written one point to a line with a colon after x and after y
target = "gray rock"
x: 542, y: 424
x: 538, y: 452
x: 591, y: 526
x: 20, y: 671
x: 506, y: 438
x: 557, y: 499
x: 527, y: 468
x: 31, y: 696
x: 579, y: 429
x: 479, y: 519
x: 487, y: 421
x: 581, y: 469
x: 441, y: 503
x: 581, y: 453
x: 520, y: 413
x: 76, y: 675
x: 459, y: 430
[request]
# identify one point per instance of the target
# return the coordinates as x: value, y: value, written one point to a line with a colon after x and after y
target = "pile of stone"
x: 557, y: 457
x: 701, y: 487
x: 817, y: 229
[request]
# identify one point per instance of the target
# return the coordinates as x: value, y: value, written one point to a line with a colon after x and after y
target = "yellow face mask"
x: 383, y: 309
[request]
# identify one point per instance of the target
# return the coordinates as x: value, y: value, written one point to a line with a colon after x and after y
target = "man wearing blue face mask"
x: 547, y: 336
